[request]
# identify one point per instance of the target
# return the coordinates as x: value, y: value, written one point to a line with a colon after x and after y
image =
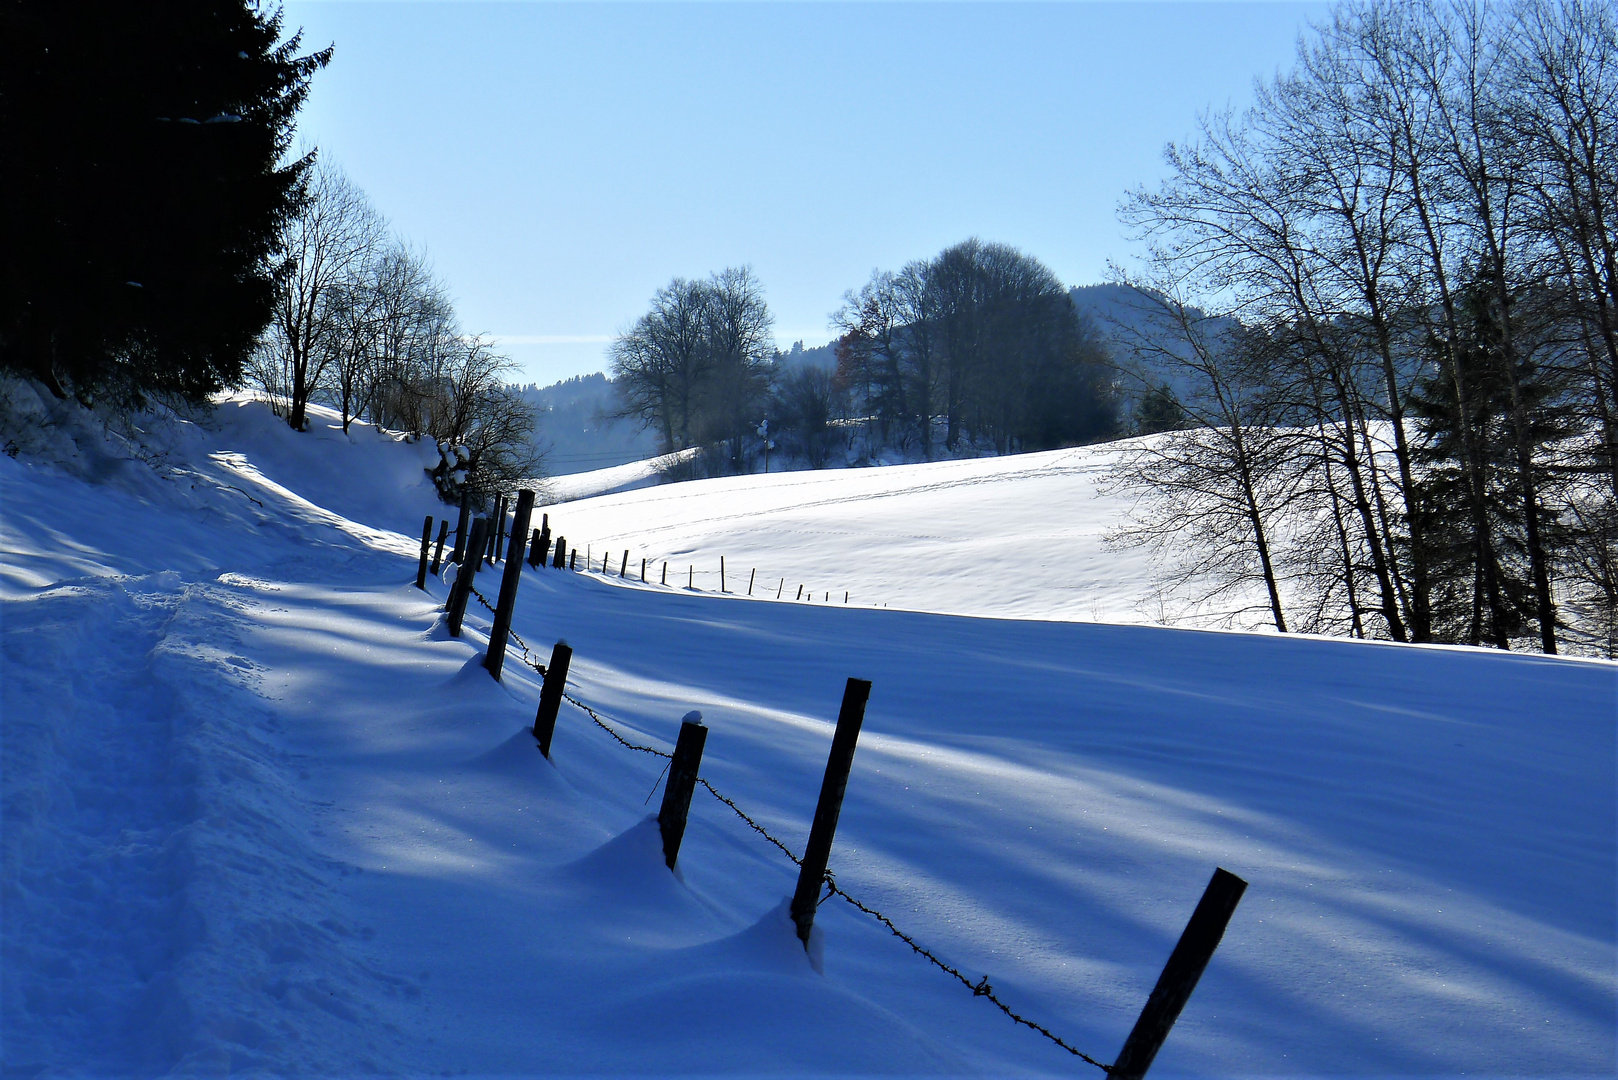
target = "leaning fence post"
x: 779, y: 587
x: 460, y: 528
x: 665, y: 572
x: 1180, y: 974
x: 550, y: 696
x: 462, y: 589
x: 800, y: 592
x: 681, y: 783
x: 426, y: 546
x: 750, y: 578
x: 830, y: 806
x: 495, y: 658
x: 438, y: 552
x: 623, y: 567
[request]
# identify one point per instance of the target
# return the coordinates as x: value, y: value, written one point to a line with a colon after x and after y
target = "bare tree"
x: 658, y: 363
x: 1208, y: 496
x: 326, y: 245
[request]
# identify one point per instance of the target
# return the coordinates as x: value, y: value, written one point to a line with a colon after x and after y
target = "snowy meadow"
x: 263, y: 814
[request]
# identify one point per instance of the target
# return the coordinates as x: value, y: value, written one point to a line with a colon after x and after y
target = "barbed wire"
x: 982, y: 988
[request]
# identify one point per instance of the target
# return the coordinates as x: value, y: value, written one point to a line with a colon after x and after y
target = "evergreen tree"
x: 142, y: 189
x: 1159, y: 410
x: 1469, y: 493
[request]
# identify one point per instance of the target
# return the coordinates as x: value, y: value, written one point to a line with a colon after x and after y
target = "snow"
x: 263, y: 815
x: 1019, y: 537
x: 628, y: 477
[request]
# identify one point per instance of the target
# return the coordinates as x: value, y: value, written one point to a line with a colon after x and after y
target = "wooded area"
x: 1392, y: 289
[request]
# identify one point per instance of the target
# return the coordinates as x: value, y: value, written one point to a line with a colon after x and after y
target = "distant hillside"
x: 579, y: 434
x: 1124, y: 319
x: 577, y: 430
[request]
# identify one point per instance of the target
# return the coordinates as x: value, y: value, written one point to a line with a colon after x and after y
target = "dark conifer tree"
x: 1159, y: 410
x: 141, y: 189
x: 1472, y: 512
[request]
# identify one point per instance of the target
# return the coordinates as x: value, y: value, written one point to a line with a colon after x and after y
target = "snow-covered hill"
x: 1021, y: 536
x: 262, y: 815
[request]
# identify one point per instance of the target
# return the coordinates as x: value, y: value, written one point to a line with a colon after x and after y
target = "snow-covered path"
x: 263, y: 815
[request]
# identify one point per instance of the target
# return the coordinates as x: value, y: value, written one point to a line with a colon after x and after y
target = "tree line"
x: 1392, y: 288
x: 361, y: 323
x: 980, y: 341
x: 978, y: 349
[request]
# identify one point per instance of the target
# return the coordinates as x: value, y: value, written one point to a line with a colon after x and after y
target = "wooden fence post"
x: 438, y: 552
x: 495, y: 658
x: 534, y: 557
x: 460, y: 528
x: 573, y: 561
x: 499, y: 536
x: 665, y: 571
x: 779, y: 587
x: 488, y: 543
x: 721, y: 573
x: 462, y: 589
x: 643, y: 571
x: 750, y: 578
x: 845, y: 597
x: 560, y: 561
x: 691, y: 577
x: 1180, y: 974
x: 426, y: 546
x: 623, y: 567
x: 550, y: 696
x: 830, y: 806
x: 800, y: 592
x: 681, y: 783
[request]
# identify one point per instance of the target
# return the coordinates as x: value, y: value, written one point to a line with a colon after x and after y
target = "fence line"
x: 1174, y: 986
x: 981, y: 988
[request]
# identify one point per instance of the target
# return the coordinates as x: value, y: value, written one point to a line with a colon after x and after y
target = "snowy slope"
x: 1020, y: 536
x: 263, y: 815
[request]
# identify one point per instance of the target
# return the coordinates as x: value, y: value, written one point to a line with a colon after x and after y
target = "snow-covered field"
x: 262, y: 815
x: 1022, y: 537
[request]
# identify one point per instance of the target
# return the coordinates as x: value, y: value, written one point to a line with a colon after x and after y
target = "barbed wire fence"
x: 1174, y: 986
x: 981, y: 988
x: 723, y: 580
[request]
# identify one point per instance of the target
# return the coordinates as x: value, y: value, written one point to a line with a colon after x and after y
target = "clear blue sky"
x: 560, y: 162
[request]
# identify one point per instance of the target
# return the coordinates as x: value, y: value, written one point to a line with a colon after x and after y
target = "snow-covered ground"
x: 615, y: 478
x: 262, y: 814
x: 1022, y: 536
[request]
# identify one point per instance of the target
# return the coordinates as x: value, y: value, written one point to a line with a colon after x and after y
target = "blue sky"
x: 560, y: 162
